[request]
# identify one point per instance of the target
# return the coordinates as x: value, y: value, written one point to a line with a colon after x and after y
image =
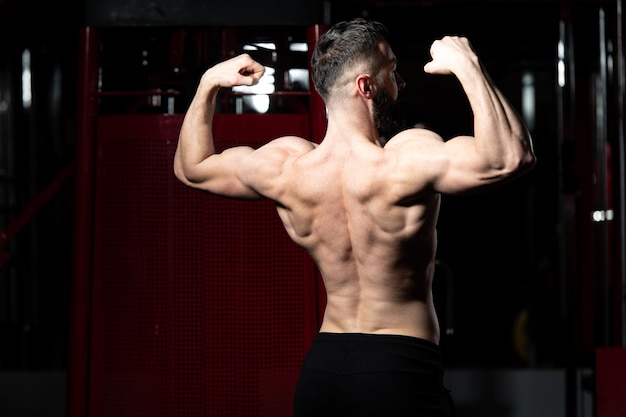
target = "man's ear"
x: 364, y: 85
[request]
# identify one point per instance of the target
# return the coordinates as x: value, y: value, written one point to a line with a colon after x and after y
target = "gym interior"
x: 124, y: 293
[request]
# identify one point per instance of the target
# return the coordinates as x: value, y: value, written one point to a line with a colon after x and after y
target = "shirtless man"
x: 366, y: 213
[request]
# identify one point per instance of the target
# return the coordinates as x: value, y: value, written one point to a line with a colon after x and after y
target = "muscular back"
x: 373, y: 244
x: 366, y: 214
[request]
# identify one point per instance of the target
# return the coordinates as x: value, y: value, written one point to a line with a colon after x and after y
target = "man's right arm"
x: 196, y: 163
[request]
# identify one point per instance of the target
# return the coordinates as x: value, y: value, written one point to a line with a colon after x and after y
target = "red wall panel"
x: 199, y: 303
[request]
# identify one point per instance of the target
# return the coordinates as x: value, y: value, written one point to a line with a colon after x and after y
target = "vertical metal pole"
x: 78, y: 372
x: 563, y: 51
x: 562, y: 66
x: 316, y: 104
x: 568, y: 273
x: 602, y: 250
x: 622, y: 172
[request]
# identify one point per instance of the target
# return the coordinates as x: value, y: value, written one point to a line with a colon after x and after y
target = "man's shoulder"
x: 282, y: 149
x: 290, y: 145
x: 416, y: 135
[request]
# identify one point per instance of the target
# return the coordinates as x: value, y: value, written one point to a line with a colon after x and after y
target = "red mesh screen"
x: 198, y: 301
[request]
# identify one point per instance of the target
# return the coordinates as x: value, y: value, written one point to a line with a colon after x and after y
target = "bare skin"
x: 366, y: 214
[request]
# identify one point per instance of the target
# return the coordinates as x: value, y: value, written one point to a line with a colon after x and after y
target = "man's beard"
x: 386, y: 115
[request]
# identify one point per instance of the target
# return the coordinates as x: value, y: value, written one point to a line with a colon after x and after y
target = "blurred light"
x: 528, y: 99
x: 298, y: 47
x: 609, y: 57
x: 27, y: 92
x: 561, y: 73
x: 257, y: 97
x: 260, y: 103
x: 299, y: 79
x: 259, y: 45
x: 561, y: 64
x: 602, y: 215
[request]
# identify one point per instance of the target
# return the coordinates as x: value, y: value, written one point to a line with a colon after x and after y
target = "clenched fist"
x: 449, y: 55
x: 240, y: 70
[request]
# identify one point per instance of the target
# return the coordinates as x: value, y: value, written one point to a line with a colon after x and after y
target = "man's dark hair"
x: 345, y: 43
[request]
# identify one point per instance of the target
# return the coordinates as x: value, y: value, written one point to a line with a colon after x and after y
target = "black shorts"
x: 347, y: 374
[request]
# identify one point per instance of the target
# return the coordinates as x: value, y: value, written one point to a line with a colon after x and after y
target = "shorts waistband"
x: 374, y: 338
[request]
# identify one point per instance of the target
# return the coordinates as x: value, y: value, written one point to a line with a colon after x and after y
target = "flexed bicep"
x: 223, y: 174
x: 462, y: 169
x: 427, y: 163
